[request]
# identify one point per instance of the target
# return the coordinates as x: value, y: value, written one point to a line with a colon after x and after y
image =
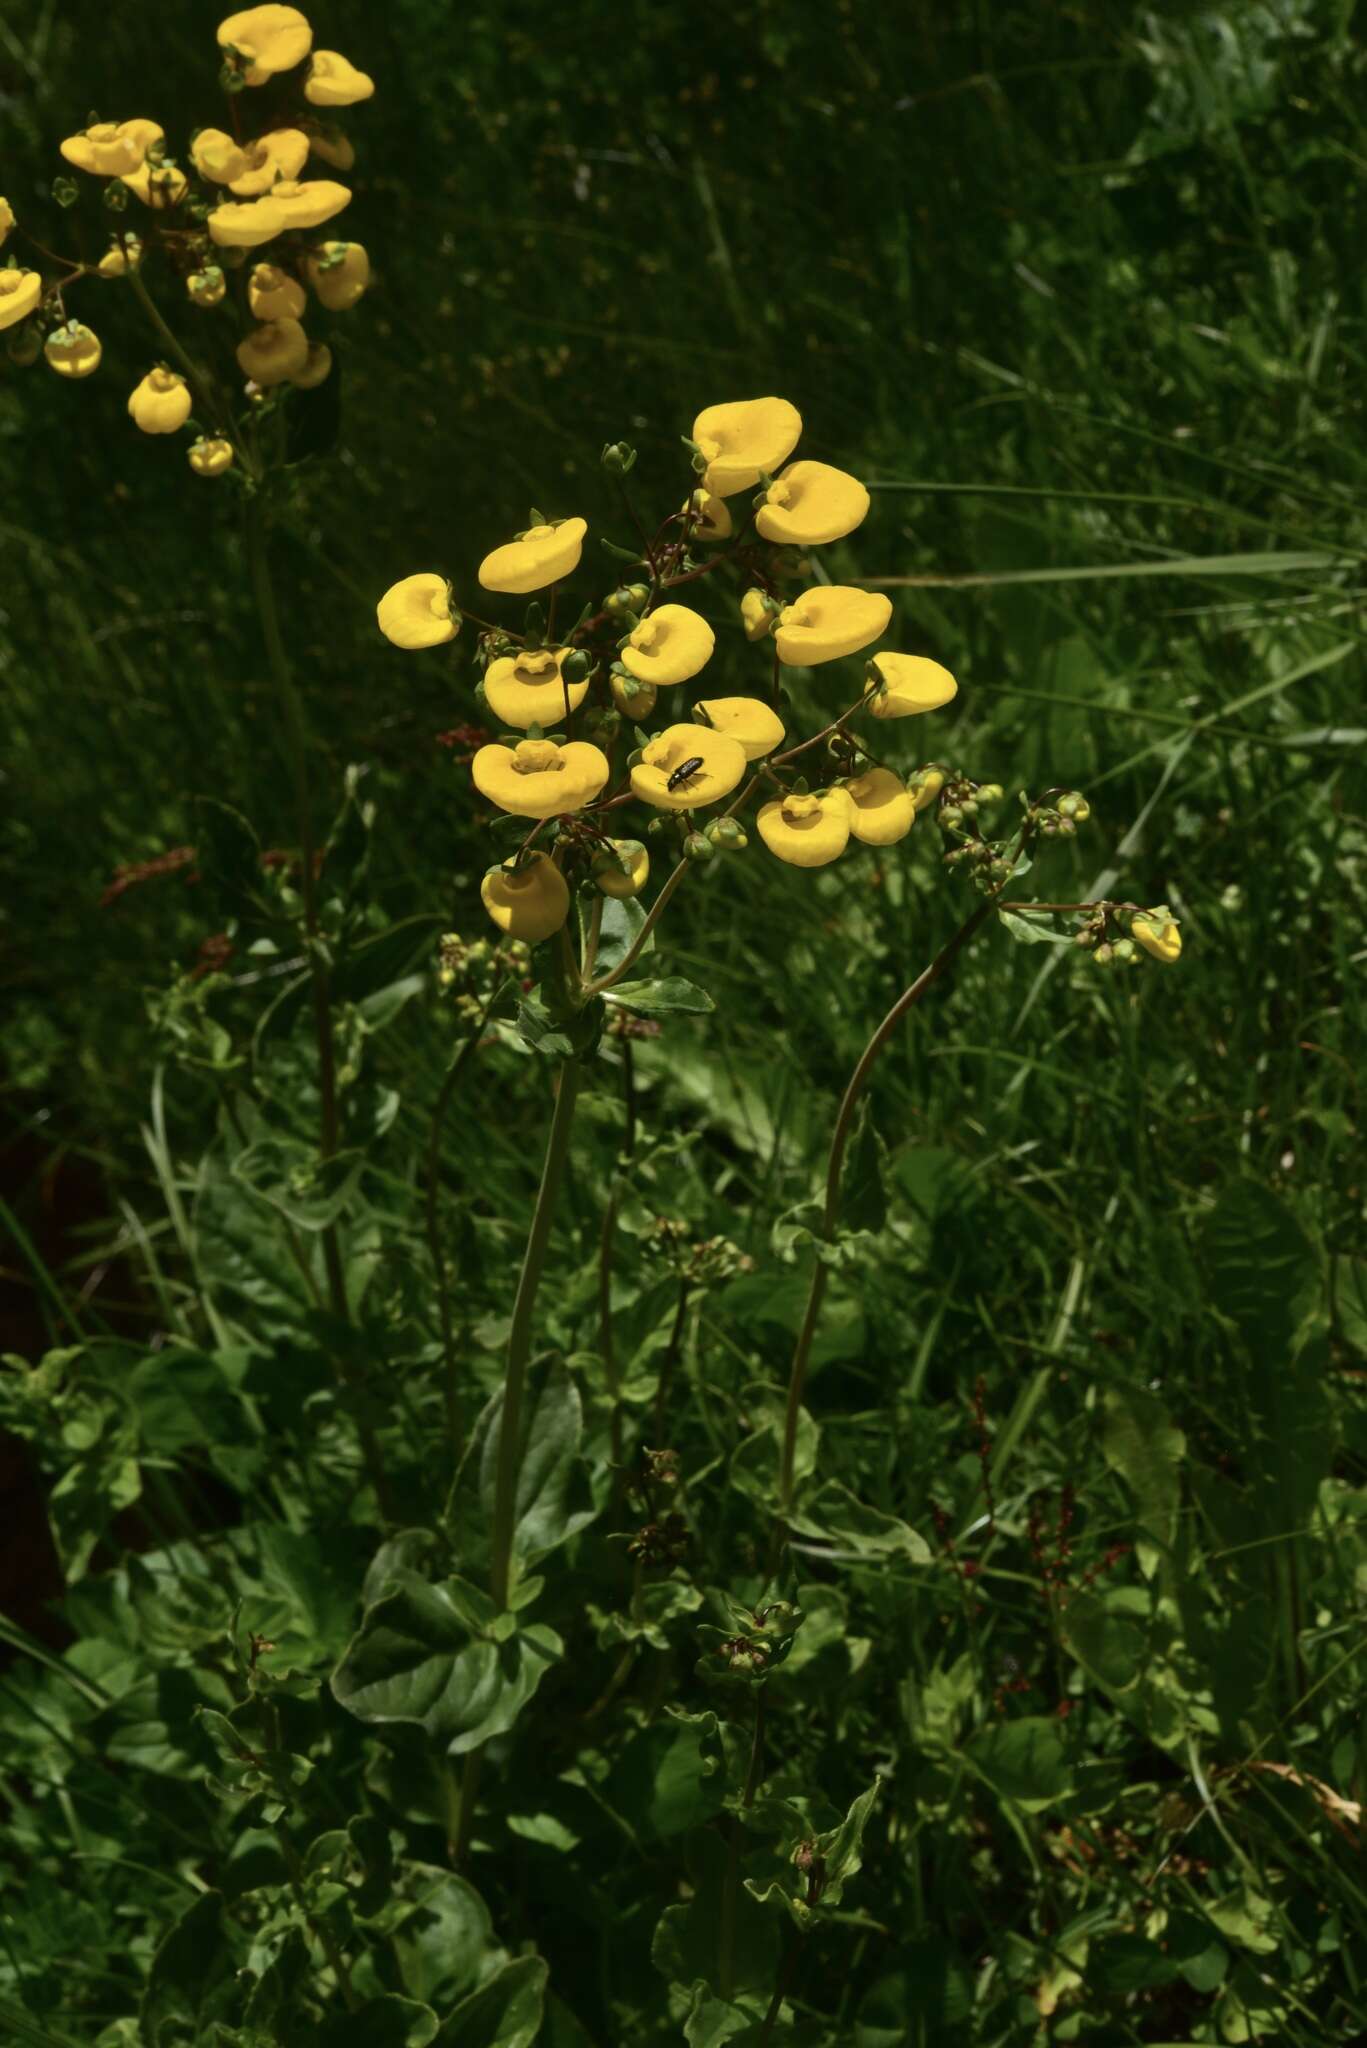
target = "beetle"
x: 684, y: 773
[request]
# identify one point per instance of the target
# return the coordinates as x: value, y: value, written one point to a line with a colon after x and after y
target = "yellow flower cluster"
x: 643, y: 640
x: 235, y: 192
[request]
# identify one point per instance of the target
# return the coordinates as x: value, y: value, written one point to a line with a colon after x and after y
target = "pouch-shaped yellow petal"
x: 161, y: 403
x: 121, y: 257
x: 528, y: 688
x: 624, y: 871
x: 6, y: 221
x: 280, y: 154
x: 1158, y: 933
x: 210, y: 458
x: 540, y: 556
x: 709, y: 517
x: 743, y: 438
x: 756, y: 725
x: 20, y: 291
x: 757, y: 615
x: 333, y: 82
x: 540, y: 778
x: 807, y: 831
x: 634, y: 699
x: 829, y: 622
x: 273, y: 352
x: 416, y: 612
x: 217, y: 158
x: 912, y: 683
x: 207, y: 287
x: 266, y: 40
x: 339, y: 272
x: 110, y: 149
x: 308, y: 203
x: 246, y: 223
x: 688, y: 765
x: 669, y: 645
x: 882, y: 809
x: 530, y: 901
x: 316, y: 370
x: 72, y: 350
x: 273, y: 294
x: 809, y: 502
x: 157, y: 185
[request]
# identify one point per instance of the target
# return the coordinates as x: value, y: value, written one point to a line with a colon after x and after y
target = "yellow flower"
x: 161, y: 403
x: 711, y: 518
x: 926, y: 787
x: 669, y: 645
x: 281, y: 154
x: 333, y: 82
x: 417, y: 612
x: 758, y: 728
x: 264, y: 40
x: 217, y: 157
x: 208, y: 286
x: 157, y: 185
x: 540, y: 778
x: 882, y: 809
x: 316, y: 370
x: 273, y: 352
x: 20, y: 291
x: 309, y: 203
x: 743, y: 438
x: 528, y: 688
x: 110, y: 149
x: 757, y: 613
x: 339, y: 272
x: 1158, y: 933
x: 210, y: 458
x: 830, y: 621
x: 806, y: 831
x: 912, y: 683
x: 247, y: 223
x: 624, y: 871
x: 633, y: 698
x: 119, y: 258
x: 331, y: 146
x: 530, y: 901
x: 541, y: 555
x: 73, y: 351
x: 719, y: 765
x: 6, y: 221
x: 273, y: 294
x: 809, y: 502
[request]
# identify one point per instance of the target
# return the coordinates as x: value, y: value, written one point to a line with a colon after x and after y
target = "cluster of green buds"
x: 472, y: 969
x: 758, y: 1644
x: 701, y: 1262
x: 1119, y: 934
x: 1061, y: 818
x: 961, y: 798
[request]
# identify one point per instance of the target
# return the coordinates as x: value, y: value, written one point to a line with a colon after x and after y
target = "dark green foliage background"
x: 1076, y: 290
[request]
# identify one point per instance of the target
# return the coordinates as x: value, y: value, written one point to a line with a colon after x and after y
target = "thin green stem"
x: 434, y: 1242
x: 730, y: 1897
x: 194, y: 376
x: 840, y: 1137
x: 520, y: 1333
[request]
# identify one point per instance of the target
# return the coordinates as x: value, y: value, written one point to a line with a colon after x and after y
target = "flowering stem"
x: 633, y: 952
x: 844, y: 1123
x: 520, y: 1333
x: 730, y: 1895
x: 264, y: 591
x: 434, y: 1243
x: 203, y: 391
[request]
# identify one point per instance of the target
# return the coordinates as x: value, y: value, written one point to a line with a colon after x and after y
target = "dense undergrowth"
x: 1081, y: 1559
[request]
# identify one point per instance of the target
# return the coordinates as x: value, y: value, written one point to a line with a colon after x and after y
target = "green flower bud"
x: 697, y: 846
x: 618, y: 458
x: 950, y: 816
x: 1073, y: 804
x: 728, y: 833
x: 576, y: 665
x: 64, y: 191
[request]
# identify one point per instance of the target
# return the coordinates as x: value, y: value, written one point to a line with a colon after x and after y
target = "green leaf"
x: 417, y: 1657
x: 1141, y: 1443
x: 1260, y: 1263
x: 1023, y: 1761
x: 663, y: 1783
x: 1033, y: 928
x: 661, y: 998
x: 1108, y: 1646
x: 191, y: 1963
x: 385, y: 2022
x: 362, y: 971
x: 505, y: 2012
x: 686, y: 1947
x: 443, y: 1937
x: 712, y: 2020
x: 863, y: 1197
x: 553, y: 1500
x: 837, y: 1516
x: 618, y: 930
